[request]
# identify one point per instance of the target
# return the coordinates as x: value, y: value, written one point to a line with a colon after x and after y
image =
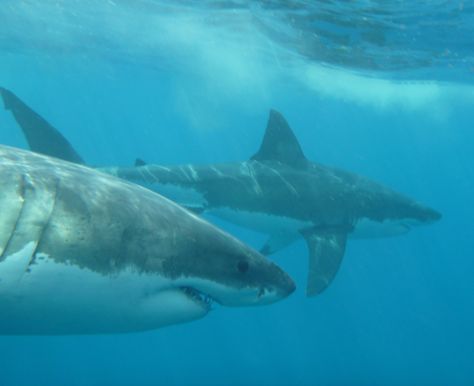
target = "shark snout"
x: 434, y: 215
x: 286, y: 285
x: 264, y: 283
x: 279, y: 287
x: 428, y: 215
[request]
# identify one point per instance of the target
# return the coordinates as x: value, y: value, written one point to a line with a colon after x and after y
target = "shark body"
x: 277, y: 191
x: 83, y: 252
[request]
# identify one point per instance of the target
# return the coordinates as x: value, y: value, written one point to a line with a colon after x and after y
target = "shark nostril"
x: 243, y: 266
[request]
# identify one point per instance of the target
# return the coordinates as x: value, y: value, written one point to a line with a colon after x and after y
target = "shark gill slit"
x: 21, y: 192
x: 45, y: 225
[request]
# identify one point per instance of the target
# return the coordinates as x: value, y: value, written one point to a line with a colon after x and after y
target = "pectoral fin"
x: 326, y: 250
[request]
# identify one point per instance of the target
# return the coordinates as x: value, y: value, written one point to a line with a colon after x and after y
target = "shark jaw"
x: 366, y: 228
x: 207, y: 292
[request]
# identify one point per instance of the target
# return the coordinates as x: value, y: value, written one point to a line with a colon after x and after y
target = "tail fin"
x: 40, y: 135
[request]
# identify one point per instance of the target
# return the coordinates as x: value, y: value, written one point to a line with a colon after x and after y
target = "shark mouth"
x: 201, y: 298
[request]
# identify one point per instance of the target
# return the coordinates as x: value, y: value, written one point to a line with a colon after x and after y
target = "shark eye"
x: 242, y: 266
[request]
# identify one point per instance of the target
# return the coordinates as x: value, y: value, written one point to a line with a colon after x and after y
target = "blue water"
x: 180, y: 83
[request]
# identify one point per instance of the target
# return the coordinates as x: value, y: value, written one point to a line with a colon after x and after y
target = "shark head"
x: 393, y: 214
x: 215, y: 266
x: 413, y: 214
x: 204, y: 266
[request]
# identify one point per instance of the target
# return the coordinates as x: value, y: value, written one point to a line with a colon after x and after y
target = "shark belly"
x: 185, y: 196
x: 260, y: 221
x: 56, y: 298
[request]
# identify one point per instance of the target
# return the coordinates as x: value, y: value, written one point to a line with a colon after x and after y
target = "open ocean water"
x: 380, y: 88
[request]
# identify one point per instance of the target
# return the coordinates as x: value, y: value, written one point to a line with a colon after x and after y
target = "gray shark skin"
x: 280, y: 192
x: 83, y: 252
x: 287, y: 198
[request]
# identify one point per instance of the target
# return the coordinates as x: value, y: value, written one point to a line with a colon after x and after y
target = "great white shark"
x: 83, y: 252
x: 278, y: 191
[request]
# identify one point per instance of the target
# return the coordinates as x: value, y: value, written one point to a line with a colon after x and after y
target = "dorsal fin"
x: 40, y: 135
x: 280, y: 143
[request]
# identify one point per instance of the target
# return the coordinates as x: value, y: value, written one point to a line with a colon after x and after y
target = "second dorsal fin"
x: 139, y: 162
x: 280, y: 143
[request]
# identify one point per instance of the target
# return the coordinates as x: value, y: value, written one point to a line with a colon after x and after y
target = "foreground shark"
x: 83, y: 252
x: 278, y: 191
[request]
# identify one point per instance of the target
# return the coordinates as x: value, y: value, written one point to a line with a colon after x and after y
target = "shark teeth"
x: 200, y: 297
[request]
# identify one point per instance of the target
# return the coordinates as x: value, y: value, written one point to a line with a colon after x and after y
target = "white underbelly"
x: 57, y: 298
x: 259, y: 221
x: 275, y: 225
x: 188, y: 197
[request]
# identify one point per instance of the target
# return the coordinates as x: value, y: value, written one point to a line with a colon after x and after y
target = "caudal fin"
x: 40, y: 135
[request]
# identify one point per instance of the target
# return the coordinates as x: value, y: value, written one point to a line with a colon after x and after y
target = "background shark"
x: 82, y: 252
x: 278, y: 191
